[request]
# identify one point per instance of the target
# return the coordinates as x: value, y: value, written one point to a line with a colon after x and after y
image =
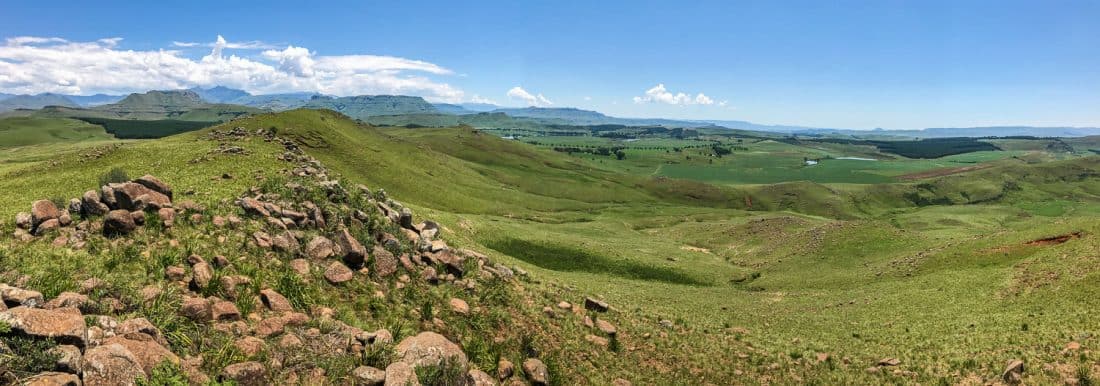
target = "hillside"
x: 24, y: 131
x: 941, y: 279
x: 34, y: 102
x: 364, y: 106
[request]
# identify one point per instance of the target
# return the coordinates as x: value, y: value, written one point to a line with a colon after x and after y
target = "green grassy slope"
x: 24, y: 131
x: 937, y: 272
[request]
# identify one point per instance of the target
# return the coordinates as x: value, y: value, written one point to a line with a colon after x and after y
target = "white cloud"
x: 537, y: 100
x: 221, y: 43
x: 31, y: 65
x: 479, y: 99
x: 587, y: 98
x: 659, y: 94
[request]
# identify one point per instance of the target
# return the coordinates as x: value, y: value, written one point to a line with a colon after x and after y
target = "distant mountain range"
x: 220, y: 103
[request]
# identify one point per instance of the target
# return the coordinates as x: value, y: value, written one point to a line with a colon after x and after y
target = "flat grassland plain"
x: 755, y: 267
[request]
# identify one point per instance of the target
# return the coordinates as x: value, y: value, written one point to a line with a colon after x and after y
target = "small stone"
x: 476, y: 377
x: 224, y: 311
x: 250, y: 346
x: 505, y: 369
x: 300, y: 266
x: 401, y: 374
x: 369, y: 376
x: 606, y: 327
x: 319, y: 248
x: 536, y: 372
x: 274, y: 301
x: 197, y: 309
x: 459, y: 306
x: 1013, y: 372
x: 245, y: 374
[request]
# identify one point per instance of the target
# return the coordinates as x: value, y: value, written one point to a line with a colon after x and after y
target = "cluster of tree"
x: 140, y: 129
x: 600, y: 150
x: 924, y: 148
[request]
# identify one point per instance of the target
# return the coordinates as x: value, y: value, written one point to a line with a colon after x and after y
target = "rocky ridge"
x: 305, y: 220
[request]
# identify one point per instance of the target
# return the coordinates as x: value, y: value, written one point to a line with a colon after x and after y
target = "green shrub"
x: 115, y: 175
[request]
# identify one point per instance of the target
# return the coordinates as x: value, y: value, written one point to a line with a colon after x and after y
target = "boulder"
x: 43, y: 210
x: 254, y: 207
x: 23, y: 220
x: 111, y: 365
x: 430, y: 349
x: 118, y: 222
x: 70, y: 299
x: 285, y: 242
x: 14, y: 296
x: 167, y: 216
x: 338, y: 273
x: 245, y: 374
x: 47, y: 226
x: 406, y: 218
x: 595, y: 305
x: 69, y: 358
x: 223, y: 310
x: 536, y: 372
x: 250, y: 346
x: 368, y: 376
x: 65, y: 325
x: 51, y: 379
x: 201, y: 275
x: 385, y: 263
x: 1013, y: 372
x: 90, y: 204
x: 155, y: 185
x: 148, y: 352
x: 129, y: 196
x: 606, y: 327
x: 270, y: 327
x: 354, y: 253
x: 401, y: 374
x: 275, y: 301
x: 476, y: 377
x: 320, y: 247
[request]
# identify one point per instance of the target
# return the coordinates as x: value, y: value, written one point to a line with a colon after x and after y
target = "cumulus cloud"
x: 659, y: 94
x: 537, y: 100
x: 30, y: 65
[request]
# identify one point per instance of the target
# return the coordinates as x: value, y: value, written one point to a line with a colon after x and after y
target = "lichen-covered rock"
x: 430, y: 349
x: 536, y: 372
x: 111, y: 365
x: 338, y: 273
x: 319, y: 248
x: 245, y: 374
x: 354, y: 253
x: 275, y: 301
x: 65, y: 325
x: 401, y: 374
x: 155, y: 185
x: 118, y: 222
x: 42, y: 211
x: 369, y: 376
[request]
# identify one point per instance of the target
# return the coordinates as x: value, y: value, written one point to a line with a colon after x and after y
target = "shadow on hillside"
x: 561, y: 258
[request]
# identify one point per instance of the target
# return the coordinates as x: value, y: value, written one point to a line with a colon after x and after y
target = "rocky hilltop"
x: 301, y: 279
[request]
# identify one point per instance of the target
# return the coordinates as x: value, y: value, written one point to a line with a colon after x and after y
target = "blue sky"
x: 860, y: 64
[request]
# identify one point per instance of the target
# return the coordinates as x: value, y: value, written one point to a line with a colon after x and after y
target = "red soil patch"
x: 1055, y: 239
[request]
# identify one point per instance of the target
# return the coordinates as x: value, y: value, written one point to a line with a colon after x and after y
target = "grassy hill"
x: 24, y: 131
x: 364, y: 106
x: 712, y: 283
x: 34, y: 102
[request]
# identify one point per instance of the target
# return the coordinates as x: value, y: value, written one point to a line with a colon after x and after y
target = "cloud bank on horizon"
x: 31, y: 65
x: 659, y: 94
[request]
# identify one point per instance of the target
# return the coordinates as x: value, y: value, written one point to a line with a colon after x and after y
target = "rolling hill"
x: 364, y: 106
x: 34, y: 102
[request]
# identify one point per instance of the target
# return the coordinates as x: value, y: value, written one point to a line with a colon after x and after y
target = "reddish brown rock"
x: 65, y: 325
x: 223, y: 310
x: 354, y: 253
x: 319, y: 247
x: 338, y: 273
x: 43, y: 210
x: 274, y: 301
x: 430, y: 349
x: 148, y: 352
x: 110, y: 365
x: 385, y: 263
x: 155, y: 185
x: 245, y: 374
x: 118, y: 222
